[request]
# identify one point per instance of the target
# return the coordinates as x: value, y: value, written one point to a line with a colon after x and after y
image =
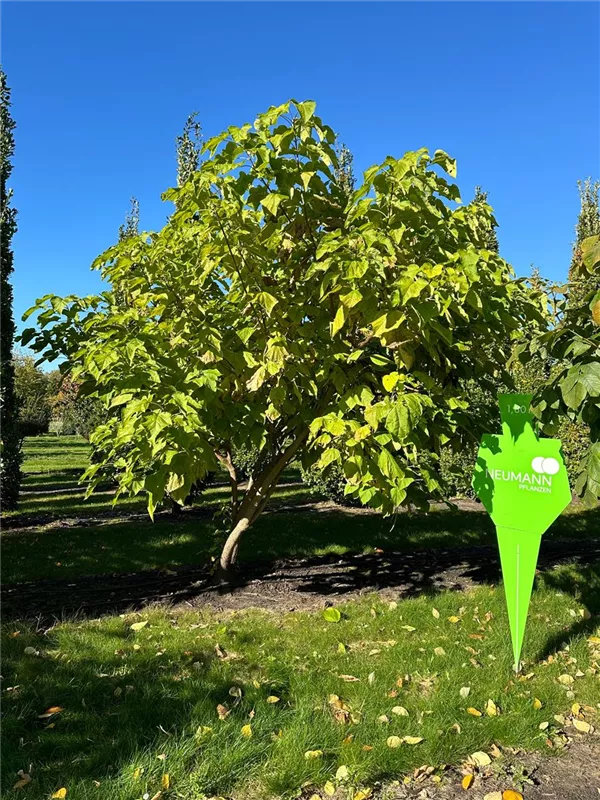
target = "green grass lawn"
x: 135, y: 706
x: 141, y: 704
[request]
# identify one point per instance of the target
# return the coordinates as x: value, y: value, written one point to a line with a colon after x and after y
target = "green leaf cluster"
x: 279, y: 313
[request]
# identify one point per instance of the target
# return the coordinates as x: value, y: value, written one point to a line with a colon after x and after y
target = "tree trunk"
x: 252, y: 505
x: 230, y: 548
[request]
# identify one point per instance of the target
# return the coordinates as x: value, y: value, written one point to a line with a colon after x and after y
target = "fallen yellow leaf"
x: 435, y: 613
x: 474, y: 712
x: 59, y: 794
x: 273, y: 699
x: 491, y: 709
x: 363, y: 794
x: 246, y: 731
x: 594, y: 639
x: 566, y: 680
x: 510, y: 794
x: 312, y: 754
x: 481, y: 759
x: 400, y: 711
x: 49, y: 712
x: 137, y: 626
x: 394, y: 741
x: 329, y: 789
x: 467, y: 781
x: 454, y: 620
x: 412, y: 739
x: 582, y: 726
x: 537, y: 704
x: 342, y: 773
x: 165, y: 781
x: 439, y: 651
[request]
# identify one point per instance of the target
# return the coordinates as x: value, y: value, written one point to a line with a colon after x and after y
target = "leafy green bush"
x: 328, y: 483
x: 457, y: 470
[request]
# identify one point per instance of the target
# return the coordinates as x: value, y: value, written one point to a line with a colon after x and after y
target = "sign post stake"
x: 522, y: 482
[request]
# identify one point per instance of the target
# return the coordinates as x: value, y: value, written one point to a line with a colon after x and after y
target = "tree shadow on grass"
x: 118, y: 706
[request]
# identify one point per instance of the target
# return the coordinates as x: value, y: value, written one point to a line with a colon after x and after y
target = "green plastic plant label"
x: 523, y: 484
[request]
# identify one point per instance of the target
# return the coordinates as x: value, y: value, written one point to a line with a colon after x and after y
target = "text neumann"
x: 527, y: 482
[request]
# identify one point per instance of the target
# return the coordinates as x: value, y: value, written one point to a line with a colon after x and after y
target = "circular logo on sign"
x: 549, y: 466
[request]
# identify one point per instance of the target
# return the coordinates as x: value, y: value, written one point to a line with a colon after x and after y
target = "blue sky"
x: 101, y: 90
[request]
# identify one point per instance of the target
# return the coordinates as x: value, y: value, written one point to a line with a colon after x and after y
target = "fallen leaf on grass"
x: 223, y: 711
x: 331, y: 615
x: 439, y: 651
x: 474, y: 712
x: 435, y: 613
x: 24, y: 779
x: 59, y: 794
x: 537, y: 704
x: 566, y: 680
x: 273, y: 699
x: 454, y: 620
x: 594, y: 639
x: 165, y: 781
x: 467, y: 781
x: 465, y: 691
x: 412, y: 739
x: 137, y: 626
x: 246, y: 731
x: 349, y: 678
x: 400, y: 711
x: 363, y: 794
x: 394, y: 741
x: 342, y: 773
x: 543, y: 726
x: 491, y: 709
x: 49, y: 712
x: 310, y: 755
x: 329, y: 789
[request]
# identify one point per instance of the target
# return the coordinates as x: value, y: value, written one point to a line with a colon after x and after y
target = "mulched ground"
x: 573, y: 774
x: 283, y: 585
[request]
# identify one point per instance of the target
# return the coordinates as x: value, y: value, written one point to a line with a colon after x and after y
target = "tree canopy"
x: 572, y: 391
x: 278, y: 312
